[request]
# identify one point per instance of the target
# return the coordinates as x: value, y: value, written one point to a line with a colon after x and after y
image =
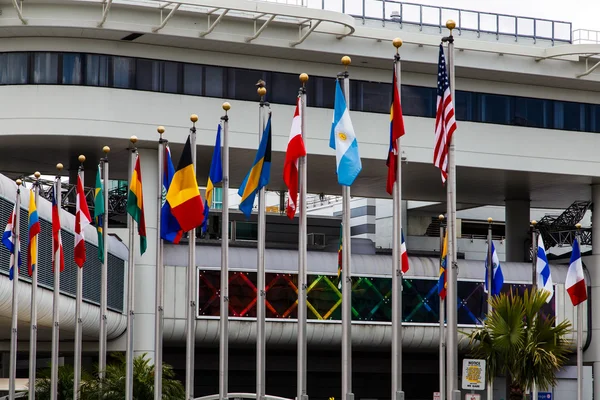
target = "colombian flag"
x: 183, y: 195
x: 259, y: 175
x: 442, y: 284
x: 215, y: 175
x: 34, y: 230
x: 135, y: 203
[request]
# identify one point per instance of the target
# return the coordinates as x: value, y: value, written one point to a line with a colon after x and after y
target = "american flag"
x: 445, y: 124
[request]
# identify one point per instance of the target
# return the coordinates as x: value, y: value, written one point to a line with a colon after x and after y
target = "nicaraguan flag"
x: 8, y: 240
x: 343, y: 141
x: 497, y: 277
x: 544, y: 278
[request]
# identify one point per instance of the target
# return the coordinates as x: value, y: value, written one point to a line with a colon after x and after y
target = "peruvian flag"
x: 404, y: 255
x: 295, y: 150
x: 82, y: 219
x: 575, y: 282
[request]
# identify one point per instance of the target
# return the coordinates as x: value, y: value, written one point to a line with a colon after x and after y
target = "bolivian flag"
x: 183, y: 195
x: 135, y: 203
x: 259, y: 175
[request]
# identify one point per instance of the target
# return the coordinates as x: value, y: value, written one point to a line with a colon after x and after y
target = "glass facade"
x: 66, y: 68
x: 371, y: 298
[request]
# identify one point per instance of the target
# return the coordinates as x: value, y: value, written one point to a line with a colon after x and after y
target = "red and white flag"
x: 57, y: 247
x: 404, y: 255
x: 575, y: 282
x: 82, y: 219
x: 295, y: 150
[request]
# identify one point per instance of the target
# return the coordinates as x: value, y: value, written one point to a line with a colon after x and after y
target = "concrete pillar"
x: 517, y: 229
x: 145, y: 266
x: 593, y: 351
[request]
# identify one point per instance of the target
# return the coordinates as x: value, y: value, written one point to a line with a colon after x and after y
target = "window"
x: 242, y: 83
x: 215, y: 81
x: 45, y: 68
x: 323, y: 94
x: 283, y: 88
x: 147, y: 75
x: 171, y: 77
x: 96, y: 70
x: 123, y: 72
x: 418, y: 101
x: 72, y: 69
x: 246, y: 230
x: 373, y: 97
x: 495, y: 109
x: 13, y: 68
x: 192, y: 79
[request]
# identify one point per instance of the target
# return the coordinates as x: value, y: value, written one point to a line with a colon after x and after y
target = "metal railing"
x: 466, y: 20
x: 586, y: 36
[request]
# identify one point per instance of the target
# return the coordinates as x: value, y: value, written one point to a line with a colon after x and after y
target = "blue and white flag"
x: 343, y: 141
x: 497, y: 277
x: 544, y: 278
x: 8, y: 240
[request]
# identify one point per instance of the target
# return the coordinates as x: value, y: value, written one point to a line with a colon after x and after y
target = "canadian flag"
x: 575, y: 282
x: 82, y: 219
x: 295, y: 150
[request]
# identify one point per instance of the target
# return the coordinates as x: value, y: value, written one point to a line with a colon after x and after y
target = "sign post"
x: 473, y: 375
x: 437, y: 396
x: 472, y: 396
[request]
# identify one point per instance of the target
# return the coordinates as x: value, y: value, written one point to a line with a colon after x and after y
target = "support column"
x: 145, y: 266
x: 517, y: 214
x: 593, y: 352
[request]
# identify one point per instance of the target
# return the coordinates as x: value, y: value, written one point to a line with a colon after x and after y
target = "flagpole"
x: 160, y: 274
x: 490, y: 278
x: 130, y: 285
x: 579, y: 336
x: 442, y: 340
x: 534, y: 288
x: 78, y: 320
x: 190, y: 348
x: 15, y: 294
x: 260, y: 287
x: 301, y: 393
x: 452, y: 267
x: 224, y: 298
x: 397, y: 392
x: 34, y: 284
x: 346, y: 268
x: 55, y: 307
x: 104, y: 271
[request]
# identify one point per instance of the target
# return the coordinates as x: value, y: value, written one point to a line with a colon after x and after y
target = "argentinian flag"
x: 343, y: 140
x: 544, y: 278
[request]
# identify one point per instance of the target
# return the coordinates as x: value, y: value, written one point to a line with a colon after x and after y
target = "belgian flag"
x: 183, y: 195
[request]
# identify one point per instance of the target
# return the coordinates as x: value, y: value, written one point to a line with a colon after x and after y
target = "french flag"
x: 295, y: 150
x: 575, y: 282
x: 8, y: 240
x: 404, y: 255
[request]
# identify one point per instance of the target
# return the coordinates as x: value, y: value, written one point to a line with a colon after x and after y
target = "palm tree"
x: 517, y: 341
x: 43, y: 386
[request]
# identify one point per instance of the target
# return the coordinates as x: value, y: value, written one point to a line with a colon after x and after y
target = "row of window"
x: 239, y: 84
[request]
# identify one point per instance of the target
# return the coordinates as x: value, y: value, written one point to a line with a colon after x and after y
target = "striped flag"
x: 135, y: 203
x: 544, y: 277
x: 396, y: 131
x: 215, y: 175
x: 295, y: 150
x: 82, y: 219
x: 442, y: 283
x: 404, y: 255
x: 57, y: 247
x: 8, y: 240
x: 34, y: 230
x: 99, y: 214
x: 575, y: 282
x: 343, y: 140
x: 445, y: 124
x: 169, y: 226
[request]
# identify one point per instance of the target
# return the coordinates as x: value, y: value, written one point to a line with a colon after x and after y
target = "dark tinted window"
x: 215, y: 81
x: 45, y: 68
x: 123, y: 72
x: 242, y: 83
x: 96, y: 70
x: 14, y: 67
x: 72, y: 69
x: 193, y: 79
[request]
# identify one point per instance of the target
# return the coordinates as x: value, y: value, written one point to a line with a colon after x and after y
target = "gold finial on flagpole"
x: 226, y: 106
x: 533, y: 223
x: 578, y: 226
x: 133, y: 139
x: 160, y: 130
x: 37, y: 174
x: 303, y: 78
x: 59, y: 167
x: 261, y: 89
x: 194, y: 118
x: 81, y: 158
x: 490, y: 220
x: 441, y: 217
x: 450, y: 24
x: 397, y: 42
x: 19, y: 182
x: 346, y: 61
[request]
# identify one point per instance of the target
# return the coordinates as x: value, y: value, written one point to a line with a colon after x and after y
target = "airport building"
x: 77, y: 75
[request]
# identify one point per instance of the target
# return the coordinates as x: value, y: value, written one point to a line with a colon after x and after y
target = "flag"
x: 544, y: 277
x: 34, y: 230
x: 343, y: 140
x: 445, y: 124
x: 340, y: 247
x: 57, y: 247
x: 8, y: 239
x: 396, y: 131
x: 183, y: 195
x: 404, y: 255
x: 442, y: 283
x: 135, y: 203
x: 575, y: 282
x: 497, y: 277
x: 99, y: 214
x: 169, y: 226
x: 295, y: 150
x: 259, y: 174
x: 215, y: 175
x: 82, y: 219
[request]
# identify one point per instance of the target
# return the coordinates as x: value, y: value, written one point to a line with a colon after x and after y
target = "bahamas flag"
x: 343, y: 141
x: 215, y: 176
x: 99, y: 214
x: 34, y: 230
x: 135, y: 203
x: 442, y: 284
x: 259, y: 175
